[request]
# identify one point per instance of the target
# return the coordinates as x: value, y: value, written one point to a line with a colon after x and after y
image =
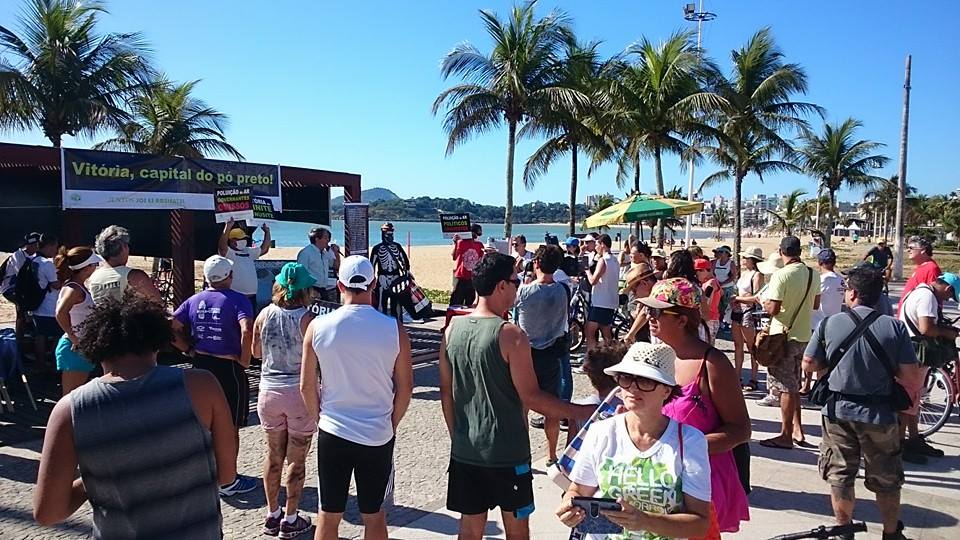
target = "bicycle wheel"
x: 576, y: 335
x: 936, y: 402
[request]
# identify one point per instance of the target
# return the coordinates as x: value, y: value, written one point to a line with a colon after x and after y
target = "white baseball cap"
x: 356, y: 272
x: 217, y: 269
x: 654, y: 362
x: 589, y: 238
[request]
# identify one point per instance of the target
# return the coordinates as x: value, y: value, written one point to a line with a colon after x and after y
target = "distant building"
x: 593, y: 200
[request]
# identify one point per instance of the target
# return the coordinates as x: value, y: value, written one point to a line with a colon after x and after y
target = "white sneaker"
x: 769, y: 400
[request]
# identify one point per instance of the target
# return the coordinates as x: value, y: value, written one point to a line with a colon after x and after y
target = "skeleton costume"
x: 390, y: 262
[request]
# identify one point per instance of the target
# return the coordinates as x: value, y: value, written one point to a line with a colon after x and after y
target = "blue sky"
x: 348, y: 85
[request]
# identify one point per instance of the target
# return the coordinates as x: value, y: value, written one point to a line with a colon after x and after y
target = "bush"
x: 438, y: 296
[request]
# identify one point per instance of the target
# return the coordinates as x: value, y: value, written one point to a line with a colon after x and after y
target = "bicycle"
x: 941, y: 392
x: 622, y: 319
x: 825, y: 533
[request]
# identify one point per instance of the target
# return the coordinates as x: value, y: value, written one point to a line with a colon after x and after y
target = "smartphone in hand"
x: 595, y: 522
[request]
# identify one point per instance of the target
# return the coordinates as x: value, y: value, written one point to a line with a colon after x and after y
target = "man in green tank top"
x: 487, y: 382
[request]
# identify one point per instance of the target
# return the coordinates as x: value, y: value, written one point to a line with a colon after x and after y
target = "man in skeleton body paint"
x: 390, y: 263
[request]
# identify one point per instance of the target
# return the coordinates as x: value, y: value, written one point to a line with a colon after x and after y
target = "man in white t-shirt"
x: 236, y: 245
x: 832, y: 287
x: 367, y: 387
x: 13, y: 265
x: 46, y: 328
x: 920, y: 310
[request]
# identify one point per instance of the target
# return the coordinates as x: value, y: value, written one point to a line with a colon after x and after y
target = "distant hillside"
x: 368, y: 195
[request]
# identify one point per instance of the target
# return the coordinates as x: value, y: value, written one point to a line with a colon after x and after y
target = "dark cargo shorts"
x: 845, y: 442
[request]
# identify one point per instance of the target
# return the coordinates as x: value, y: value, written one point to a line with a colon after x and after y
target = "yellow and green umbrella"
x: 642, y: 207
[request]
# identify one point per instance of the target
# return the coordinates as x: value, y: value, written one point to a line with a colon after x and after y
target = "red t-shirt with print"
x: 927, y: 272
x: 469, y: 253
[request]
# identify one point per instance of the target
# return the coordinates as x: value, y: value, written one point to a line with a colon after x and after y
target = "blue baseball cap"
x: 827, y: 256
x: 953, y: 281
x: 572, y: 241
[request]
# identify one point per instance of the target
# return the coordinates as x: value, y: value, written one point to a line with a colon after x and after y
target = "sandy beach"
x: 433, y: 268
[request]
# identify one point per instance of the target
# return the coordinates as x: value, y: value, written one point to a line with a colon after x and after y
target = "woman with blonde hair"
x: 278, y: 340
x: 74, y: 304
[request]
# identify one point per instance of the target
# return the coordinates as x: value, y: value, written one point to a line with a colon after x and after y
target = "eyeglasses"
x: 656, y: 313
x: 516, y: 281
x: 914, y: 248
x: 642, y: 384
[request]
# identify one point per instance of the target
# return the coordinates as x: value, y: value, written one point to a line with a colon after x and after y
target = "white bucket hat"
x: 654, y: 362
x: 771, y: 265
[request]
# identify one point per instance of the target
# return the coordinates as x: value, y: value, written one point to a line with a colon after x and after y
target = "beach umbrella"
x: 640, y: 207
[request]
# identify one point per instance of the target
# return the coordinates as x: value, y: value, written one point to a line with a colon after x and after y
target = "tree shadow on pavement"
x: 866, y: 509
x: 19, y: 469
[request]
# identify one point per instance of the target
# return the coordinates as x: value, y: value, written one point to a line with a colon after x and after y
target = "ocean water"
x: 294, y: 234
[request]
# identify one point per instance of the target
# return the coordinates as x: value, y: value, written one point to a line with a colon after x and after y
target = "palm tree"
x: 753, y: 106
x: 793, y: 213
x: 59, y: 74
x: 572, y: 130
x: 520, y: 75
x: 721, y: 219
x: 837, y: 160
x: 167, y: 120
x: 882, y: 200
x: 653, y: 99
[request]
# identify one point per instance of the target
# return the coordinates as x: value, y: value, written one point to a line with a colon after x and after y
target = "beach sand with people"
x: 432, y: 266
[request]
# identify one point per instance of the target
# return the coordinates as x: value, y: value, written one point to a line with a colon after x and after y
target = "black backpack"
x: 28, y: 294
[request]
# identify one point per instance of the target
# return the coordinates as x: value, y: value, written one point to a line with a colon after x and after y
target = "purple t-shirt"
x: 214, y: 319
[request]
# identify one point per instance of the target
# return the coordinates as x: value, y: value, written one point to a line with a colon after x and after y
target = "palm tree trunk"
x: 737, y: 225
x: 636, y: 187
x: 573, y: 188
x: 508, y: 206
x: 55, y: 139
x: 660, y: 192
x: 832, y: 221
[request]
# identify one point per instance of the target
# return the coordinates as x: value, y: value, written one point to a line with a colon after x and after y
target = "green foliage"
x: 437, y: 296
x: 59, y: 74
x: 427, y: 208
x: 166, y: 119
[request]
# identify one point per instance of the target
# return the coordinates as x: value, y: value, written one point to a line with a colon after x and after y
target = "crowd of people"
x: 674, y: 464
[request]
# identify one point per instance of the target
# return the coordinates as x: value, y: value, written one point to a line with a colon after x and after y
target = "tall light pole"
x: 902, y: 181
x: 691, y: 13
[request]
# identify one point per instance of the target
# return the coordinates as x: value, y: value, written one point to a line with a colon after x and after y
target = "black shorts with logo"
x: 233, y: 379
x: 472, y: 489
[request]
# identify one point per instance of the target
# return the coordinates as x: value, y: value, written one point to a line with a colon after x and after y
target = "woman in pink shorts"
x: 278, y: 341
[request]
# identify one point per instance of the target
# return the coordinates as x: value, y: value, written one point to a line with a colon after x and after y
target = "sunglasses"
x: 516, y: 281
x: 656, y: 313
x: 642, y: 384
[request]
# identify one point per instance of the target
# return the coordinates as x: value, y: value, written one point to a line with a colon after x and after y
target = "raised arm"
x: 265, y: 245
x: 595, y: 276
x: 224, y: 241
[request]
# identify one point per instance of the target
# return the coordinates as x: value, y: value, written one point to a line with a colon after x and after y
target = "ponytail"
x: 65, y: 258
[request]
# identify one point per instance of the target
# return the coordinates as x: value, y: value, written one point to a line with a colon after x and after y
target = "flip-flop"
x: 803, y: 444
x: 769, y: 443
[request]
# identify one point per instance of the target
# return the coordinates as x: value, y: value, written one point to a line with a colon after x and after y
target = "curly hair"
x: 134, y: 325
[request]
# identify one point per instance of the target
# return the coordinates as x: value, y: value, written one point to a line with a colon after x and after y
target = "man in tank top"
x: 112, y: 279
x: 487, y: 380
x: 364, y: 362
x: 121, y: 429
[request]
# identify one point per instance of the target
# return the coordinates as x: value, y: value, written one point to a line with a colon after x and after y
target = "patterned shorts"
x: 844, y: 443
x: 785, y: 374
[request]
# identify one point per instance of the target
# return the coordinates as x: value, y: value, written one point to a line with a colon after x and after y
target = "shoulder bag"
x: 771, y: 348
x: 933, y: 352
x: 821, y: 394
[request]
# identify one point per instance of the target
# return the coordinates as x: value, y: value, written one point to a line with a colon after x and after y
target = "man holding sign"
x: 236, y: 245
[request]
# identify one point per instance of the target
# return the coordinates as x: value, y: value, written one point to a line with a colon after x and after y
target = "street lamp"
x: 691, y: 13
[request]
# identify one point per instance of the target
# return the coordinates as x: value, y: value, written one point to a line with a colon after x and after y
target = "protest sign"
x: 451, y: 224
x: 121, y: 180
x: 233, y: 203
x: 262, y: 211
x: 356, y: 228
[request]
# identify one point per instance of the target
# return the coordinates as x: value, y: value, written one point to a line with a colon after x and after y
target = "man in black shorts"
x: 487, y: 379
x: 219, y: 323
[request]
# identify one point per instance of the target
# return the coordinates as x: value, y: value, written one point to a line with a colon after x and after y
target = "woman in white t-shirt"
x: 656, y: 468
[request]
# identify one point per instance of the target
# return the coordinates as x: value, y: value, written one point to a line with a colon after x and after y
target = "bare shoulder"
x: 512, y: 337
x: 200, y: 383
x: 718, y: 363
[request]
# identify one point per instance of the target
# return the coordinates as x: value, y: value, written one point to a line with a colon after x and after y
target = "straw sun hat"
x: 752, y: 252
x: 771, y: 265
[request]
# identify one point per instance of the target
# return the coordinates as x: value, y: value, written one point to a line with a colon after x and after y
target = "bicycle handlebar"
x: 824, y: 533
